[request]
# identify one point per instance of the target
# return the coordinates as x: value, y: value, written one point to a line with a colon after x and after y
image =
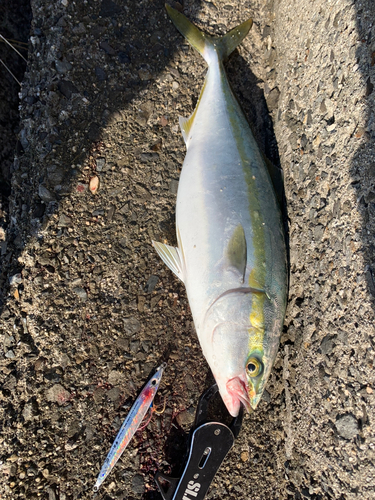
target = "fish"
x: 131, y: 424
x: 231, y: 248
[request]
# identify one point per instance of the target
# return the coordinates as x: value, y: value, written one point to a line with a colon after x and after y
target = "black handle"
x: 209, y: 444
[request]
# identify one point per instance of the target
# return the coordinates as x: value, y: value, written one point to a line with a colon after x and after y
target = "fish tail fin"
x: 205, y: 44
x: 233, y: 38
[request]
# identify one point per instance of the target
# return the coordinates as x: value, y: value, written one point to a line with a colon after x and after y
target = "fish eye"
x: 153, y: 382
x: 254, y: 367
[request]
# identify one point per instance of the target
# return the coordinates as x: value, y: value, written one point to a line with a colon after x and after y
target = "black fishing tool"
x: 209, y: 444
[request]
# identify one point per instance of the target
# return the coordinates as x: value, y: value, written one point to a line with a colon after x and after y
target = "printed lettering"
x: 194, y: 486
x: 192, y: 489
x: 190, y: 492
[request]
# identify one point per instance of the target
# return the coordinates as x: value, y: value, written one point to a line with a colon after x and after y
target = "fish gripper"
x: 209, y: 444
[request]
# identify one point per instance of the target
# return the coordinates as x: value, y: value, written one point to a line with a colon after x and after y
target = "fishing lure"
x: 131, y: 424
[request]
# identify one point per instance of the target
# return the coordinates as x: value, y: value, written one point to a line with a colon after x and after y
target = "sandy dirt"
x: 87, y: 307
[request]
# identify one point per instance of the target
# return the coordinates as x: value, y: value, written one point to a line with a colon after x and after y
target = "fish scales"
x: 231, y: 251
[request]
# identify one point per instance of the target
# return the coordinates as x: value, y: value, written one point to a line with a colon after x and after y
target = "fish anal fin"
x: 236, y: 252
x: 171, y: 257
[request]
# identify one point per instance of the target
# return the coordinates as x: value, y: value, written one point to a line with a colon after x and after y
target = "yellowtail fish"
x: 231, y: 251
x: 131, y: 424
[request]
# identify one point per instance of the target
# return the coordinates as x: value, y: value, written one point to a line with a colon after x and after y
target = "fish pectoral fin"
x: 185, y: 126
x: 260, y: 292
x: 237, y: 251
x: 171, y: 257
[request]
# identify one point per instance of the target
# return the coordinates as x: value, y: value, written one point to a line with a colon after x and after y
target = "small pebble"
x: 16, y: 279
x: 347, y: 426
x: 144, y: 74
x: 81, y: 292
x: 100, y: 164
x: 64, y: 221
x: 173, y: 186
x: 45, y: 194
x: 186, y: 417
x: 151, y: 283
x: 57, y: 394
x: 138, y: 484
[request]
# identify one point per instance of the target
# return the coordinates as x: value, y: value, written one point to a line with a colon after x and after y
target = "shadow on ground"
x: 15, y: 19
x: 363, y: 165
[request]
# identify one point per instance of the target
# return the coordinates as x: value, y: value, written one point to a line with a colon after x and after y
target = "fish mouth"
x: 237, y: 394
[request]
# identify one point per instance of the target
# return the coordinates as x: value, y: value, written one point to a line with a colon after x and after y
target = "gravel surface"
x: 88, y: 309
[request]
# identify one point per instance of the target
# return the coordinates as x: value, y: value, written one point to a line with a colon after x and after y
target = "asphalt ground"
x: 88, y: 309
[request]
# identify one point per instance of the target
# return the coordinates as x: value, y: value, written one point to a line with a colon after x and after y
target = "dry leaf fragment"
x: 94, y: 184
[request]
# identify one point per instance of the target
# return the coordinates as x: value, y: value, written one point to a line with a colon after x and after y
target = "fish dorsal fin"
x: 237, y: 251
x: 171, y: 257
x: 185, y: 126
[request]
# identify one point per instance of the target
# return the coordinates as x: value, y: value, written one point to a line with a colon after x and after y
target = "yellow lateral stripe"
x: 257, y: 278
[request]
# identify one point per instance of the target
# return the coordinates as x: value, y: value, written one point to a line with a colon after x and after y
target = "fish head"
x: 240, y: 347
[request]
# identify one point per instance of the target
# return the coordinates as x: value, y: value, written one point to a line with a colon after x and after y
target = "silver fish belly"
x: 231, y: 251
